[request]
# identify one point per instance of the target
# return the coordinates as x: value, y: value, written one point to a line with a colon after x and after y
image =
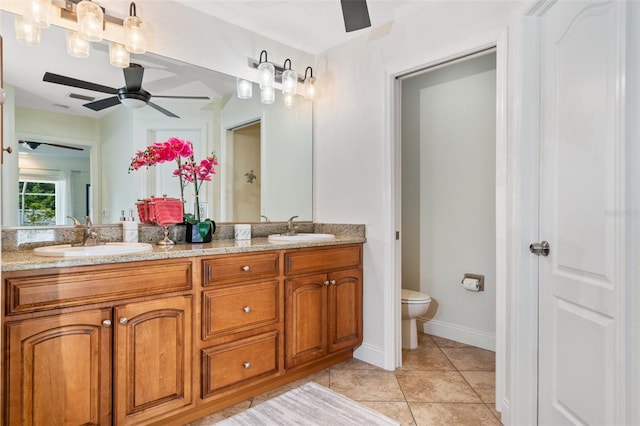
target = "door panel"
x: 581, y: 189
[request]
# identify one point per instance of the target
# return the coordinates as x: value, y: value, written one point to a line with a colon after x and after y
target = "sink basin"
x: 66, y: 250
x: 300, y: 238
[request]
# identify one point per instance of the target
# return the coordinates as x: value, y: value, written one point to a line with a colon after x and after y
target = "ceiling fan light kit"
x: 91, y: 20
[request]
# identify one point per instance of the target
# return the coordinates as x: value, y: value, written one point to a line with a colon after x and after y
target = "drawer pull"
x: 106, y: 323
x: 246, y: 365
x: 332, y: 282
x: 124, y: 321
x: 326, y: 283
x: 246, y: 268
x: 246, y: 309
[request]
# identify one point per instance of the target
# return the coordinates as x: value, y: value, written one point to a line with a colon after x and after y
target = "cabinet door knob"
x: 246, y: 309
x: 326, y: 283
x: 246, y: 364
x: 106, y: 323
x: 332, y: 282
x: 246, y: 268
x: 124, y: 321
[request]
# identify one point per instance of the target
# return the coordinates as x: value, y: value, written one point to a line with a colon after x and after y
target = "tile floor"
x: 440, y: 383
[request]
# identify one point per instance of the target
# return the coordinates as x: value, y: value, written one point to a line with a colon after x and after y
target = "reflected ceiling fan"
x: 132, y: 95
x: 32, y: 146
x: 355, y: 14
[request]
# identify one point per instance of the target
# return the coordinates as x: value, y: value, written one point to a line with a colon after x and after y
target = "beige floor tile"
x: 471, y: 359
x: 355, y: 364
x: 426, y: 340
x: 366, y: 385
x: 221, y: 415
x: 321, y: 378
x: 484, y: 383
x: 430, y: 358
x: 447, y: 414
x: 446, y: 343
x: 398, y: 411
x: 435, y: 386
x: 495, y: 412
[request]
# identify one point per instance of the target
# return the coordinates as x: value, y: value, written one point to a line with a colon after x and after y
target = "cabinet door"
x: 305, y: 319
x: 152, y: 358
x: 59, y: 369
x: 345, y: 309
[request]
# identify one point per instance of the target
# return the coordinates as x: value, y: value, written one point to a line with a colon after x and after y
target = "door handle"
x: 543, y: 248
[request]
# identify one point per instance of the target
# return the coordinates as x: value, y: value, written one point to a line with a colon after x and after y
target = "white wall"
x: 449, y: 205
x: 352, y: 144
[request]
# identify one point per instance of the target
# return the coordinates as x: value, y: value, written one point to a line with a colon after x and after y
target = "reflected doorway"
x: 247, y: 173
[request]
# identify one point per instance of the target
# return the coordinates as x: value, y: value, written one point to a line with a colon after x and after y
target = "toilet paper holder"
x: 478, y: 277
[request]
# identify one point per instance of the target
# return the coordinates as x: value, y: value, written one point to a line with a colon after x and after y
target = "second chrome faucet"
x: 90, y: 237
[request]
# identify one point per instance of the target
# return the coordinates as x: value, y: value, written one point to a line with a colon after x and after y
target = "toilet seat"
x: 410, y: 297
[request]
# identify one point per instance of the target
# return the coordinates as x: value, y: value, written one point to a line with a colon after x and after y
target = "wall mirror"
x: 82, y: 155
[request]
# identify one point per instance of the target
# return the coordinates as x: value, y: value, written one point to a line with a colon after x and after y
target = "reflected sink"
x: 300, y: 238
x: 66, y: 250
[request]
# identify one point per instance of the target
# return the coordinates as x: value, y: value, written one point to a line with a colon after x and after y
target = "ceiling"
x: 312, y: 26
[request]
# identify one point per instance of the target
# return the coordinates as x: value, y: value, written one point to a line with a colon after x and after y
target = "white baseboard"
x: 469, y: 336
x: 371, y: 355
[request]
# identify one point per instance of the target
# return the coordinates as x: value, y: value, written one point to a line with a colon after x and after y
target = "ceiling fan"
x: 132, y: 95
x: 32, y: 146
x: 355, y: 14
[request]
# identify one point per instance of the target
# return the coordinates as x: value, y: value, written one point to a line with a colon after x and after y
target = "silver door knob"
x: 246, y: 268
x: 247, y: 309
x: 106, y: 323
x: 540, y: 249
x: 332, y: 282
x: 123, y: 321
x: 246, y: 365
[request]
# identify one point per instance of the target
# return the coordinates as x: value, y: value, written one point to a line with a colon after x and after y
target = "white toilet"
x: 414, y: 304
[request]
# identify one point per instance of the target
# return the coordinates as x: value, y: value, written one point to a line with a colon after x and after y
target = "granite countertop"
x: 25, y: 259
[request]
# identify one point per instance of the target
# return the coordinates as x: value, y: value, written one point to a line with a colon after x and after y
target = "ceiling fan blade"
x: 162, y: 110
x: 74, y: 82
x: 63, y: 146
x: 103, y: 103
x: 182, y: 97
x: 133, y: 77
x: 355, y: 14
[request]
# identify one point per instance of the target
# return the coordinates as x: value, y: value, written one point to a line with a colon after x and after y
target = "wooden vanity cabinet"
x: 123, y: 362
x: 323, y: 293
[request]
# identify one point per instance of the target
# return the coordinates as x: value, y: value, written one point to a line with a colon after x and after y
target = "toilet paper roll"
x: 471, y: 284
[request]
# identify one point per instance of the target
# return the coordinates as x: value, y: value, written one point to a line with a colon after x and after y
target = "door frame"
x: 393, y: 332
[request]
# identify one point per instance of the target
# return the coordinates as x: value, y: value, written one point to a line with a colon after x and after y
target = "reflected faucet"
x: 291, y: 229
x: 90, y: 237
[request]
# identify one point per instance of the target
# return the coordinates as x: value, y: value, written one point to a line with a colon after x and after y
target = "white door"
x: 582, y: 205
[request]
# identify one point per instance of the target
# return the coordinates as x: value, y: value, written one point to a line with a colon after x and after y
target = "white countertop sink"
x: 67, y: 250
x: 300, y: 238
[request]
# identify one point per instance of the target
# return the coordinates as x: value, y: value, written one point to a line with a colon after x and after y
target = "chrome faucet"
x: 291, y: 229
x: 90, y: 237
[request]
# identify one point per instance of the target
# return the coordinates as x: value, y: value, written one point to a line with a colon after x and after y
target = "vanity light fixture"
x: 27, y: 33
x: 118, y: 55
x: 309, y: 84
x: 267, y: 79
x: 244, y: 88
x: 289, y: 79
x: 77, y: 46
x: 135, y: 39
x: 91, y: 19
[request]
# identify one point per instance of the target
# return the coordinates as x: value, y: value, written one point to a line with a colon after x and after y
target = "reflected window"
x: 37, y: 202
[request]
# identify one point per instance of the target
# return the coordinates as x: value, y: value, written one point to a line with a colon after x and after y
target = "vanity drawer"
x: 239, y: 361
x: 320, y: 260
x: 241, y: 307
x: 61, y: 288
x: 239, y: 267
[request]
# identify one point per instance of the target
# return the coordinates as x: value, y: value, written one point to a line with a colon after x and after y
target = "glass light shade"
x: 289, y: 100
x: 39, y: 13
x: 133, y: 103
x: 135, y: 39
x: 267, y: 75
x: 26, y: 32
x: 118, y: 55
x: 77, y: 46
x: 244, y: 88
x: 289, y: 82
x: 267, y: 95
x: 90, y: 18
x: 310, y: 88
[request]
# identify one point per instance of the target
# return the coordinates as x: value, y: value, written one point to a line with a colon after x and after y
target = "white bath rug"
x: 308, y: 405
